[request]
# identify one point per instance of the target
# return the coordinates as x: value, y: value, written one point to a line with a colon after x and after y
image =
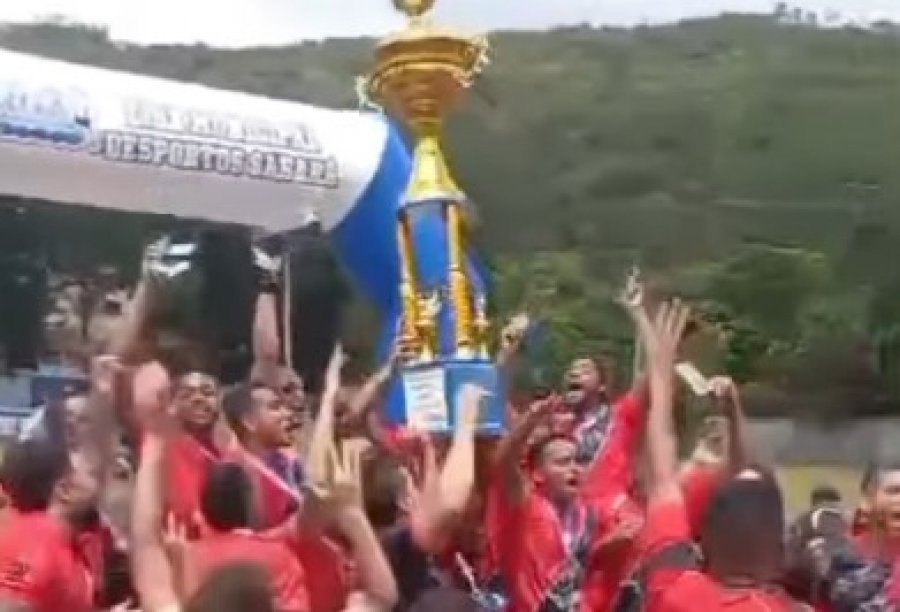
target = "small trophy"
x: 482, y: 329
x: 429, y: 307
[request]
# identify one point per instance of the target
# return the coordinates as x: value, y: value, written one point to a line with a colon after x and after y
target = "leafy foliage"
x: 746, y: 162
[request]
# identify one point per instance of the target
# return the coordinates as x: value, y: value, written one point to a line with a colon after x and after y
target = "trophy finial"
x: 413, y: 8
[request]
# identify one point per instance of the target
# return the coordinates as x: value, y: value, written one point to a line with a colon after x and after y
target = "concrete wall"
x: 787, y: 442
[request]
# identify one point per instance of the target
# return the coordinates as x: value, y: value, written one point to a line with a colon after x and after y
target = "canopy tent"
x: 86, y: 136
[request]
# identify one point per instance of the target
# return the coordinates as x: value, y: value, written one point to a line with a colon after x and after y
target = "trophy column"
x: 421, y: 74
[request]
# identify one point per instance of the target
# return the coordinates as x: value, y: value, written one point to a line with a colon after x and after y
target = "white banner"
x: 83, y: 135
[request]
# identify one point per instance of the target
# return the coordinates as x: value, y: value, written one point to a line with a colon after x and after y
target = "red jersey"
x: 93, y: 546
x: 606, y: 490
x: 272, y: 553
x: 40, y: 565
x: 533, y: 547
x: 187, y: 465
x: 686, y: 589
x: 330, y: 569
x: 698, y: 484
x: 274, y: 499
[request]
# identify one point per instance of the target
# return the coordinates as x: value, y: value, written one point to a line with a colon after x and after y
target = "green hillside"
x: 749, y: 164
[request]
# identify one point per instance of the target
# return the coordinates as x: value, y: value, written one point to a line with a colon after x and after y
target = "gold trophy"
x: 421, y: 74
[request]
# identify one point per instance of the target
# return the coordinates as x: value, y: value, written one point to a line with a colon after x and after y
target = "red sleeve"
x: 501, y: 516
x: 275, y: 501
x: 326, y: 567
x: 698, y: 483
x: 860, y: 522
x: 30, y: 579
x: 609, y: 476
x: 666, y: 523
x: 893, y: 585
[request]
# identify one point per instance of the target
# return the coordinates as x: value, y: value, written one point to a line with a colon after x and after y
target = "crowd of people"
x: 158, y: 488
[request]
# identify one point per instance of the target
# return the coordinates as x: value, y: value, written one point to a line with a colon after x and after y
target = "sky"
x: 235, y: 23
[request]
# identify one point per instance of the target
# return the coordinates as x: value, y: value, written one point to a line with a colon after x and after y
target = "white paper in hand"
x: 693, y: 378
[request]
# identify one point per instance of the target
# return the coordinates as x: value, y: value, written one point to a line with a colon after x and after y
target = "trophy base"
x: 424, y: 397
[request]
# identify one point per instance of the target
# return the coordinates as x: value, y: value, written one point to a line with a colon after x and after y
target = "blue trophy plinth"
x: 425, y: 396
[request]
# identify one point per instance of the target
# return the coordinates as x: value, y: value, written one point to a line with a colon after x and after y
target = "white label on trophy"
x: 426, y: 400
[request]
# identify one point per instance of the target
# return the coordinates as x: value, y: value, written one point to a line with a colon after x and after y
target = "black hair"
x: 869, y: 476
x: 536, y: 452
x: 320, y: 293
x: 31, y: 470
x: 444, y: 599
x: 236, y: 404
x: 824, y: 494
x: 384, y: 486
x: 226, y: 497
x: 744, y: 522
x: 236, y: 587
x: 873, y: 473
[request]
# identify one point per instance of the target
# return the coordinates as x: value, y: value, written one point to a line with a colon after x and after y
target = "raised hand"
x: 724, y: 390
x: 632, y: 295
x: 470, y: 401
x: 668, y: 329
x: 335, y: 366
x: 164, y: 259
x: 514, y: 332
x: 104, y: 370
x: 268, y: 266
x: 152, y: 397
x: 175, y: 538
x: 153, y: 257
x: 346, y: 493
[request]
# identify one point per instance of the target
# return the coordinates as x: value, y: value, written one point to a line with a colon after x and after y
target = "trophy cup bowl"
x: 422, y: 73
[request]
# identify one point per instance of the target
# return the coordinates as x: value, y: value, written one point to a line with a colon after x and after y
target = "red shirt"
x: 529, y: 541
x: 187, y: 465
x: 93, y: 546
x: 275, y: 501
x: 611, y: 471
x: 330, y: 571
x: 698, y: 484
x: 272, y: 553
x: 606, y: 489
x: 40, y: 566
x: 689, y: 590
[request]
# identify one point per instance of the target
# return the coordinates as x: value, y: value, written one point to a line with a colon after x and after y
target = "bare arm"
x: 368, y: 397
x: 99, y: 453
x: 129, y: 342
x: 375, y: 575
x: 444, y: 501
x: 319, y: 449
x: 511, y: 448
x: 729, y: 399
x: 345, y: 494
x: 154, y: 577
x: 266, y: 346
x: 662, y: 441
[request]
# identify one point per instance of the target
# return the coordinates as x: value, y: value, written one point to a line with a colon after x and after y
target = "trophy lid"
x: 413, y: 8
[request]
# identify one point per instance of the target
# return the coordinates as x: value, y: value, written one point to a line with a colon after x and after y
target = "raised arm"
x: 378, y: 589
x: 511, y: 448
x: 728, y: 400
x: 445, y: 495
x: 130, y: 341
x: 319, y: 465
x: 100, y: 447
x: 266, y: 344
x: 661, y: 346
x: 154, y: 577
x: 369, y: 397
